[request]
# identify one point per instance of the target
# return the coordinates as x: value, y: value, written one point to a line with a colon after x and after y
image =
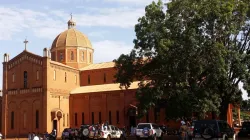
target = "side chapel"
x: 64, y: 88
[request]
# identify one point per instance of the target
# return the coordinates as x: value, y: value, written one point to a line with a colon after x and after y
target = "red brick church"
x: 64, y: 88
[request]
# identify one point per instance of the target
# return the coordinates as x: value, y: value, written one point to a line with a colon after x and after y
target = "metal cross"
x: 25, y: 42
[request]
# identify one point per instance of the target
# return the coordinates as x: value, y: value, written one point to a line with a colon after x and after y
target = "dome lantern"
x: 71, y: 23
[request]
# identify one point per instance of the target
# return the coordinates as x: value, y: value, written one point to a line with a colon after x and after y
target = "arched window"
x: 25, y: 79
x: 90, y: 58
x: 75, y: 119
x: 24, y: 119
x: 54, y: 75
x: 82, y: 56
x: 12, y: 120
x: 61, y: 56
x: 37, y: 119
x: 37, y: 75
x: 65, y: 77
x: 13, y: 77
x: 72, y: 55
x: 88, y: 79
x: 104, y: 78
x: 63, y: 120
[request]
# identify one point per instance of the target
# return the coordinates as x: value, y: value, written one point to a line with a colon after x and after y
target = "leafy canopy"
x: 192, y: 55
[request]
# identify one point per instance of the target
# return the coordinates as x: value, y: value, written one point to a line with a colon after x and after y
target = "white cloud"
x: 13, y: 21
x: 99, y: 34
x: 110, y: 17
x: 138, y: 2
x: 107, y: 50
x: 48, y: 25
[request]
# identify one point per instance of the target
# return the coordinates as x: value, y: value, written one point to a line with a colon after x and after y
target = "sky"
x: 109, y: 24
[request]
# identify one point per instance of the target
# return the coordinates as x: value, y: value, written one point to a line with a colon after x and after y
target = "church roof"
x: 99, y: 66
x: 60, y: 64
x: 71, y: 38
x: 103, y: 88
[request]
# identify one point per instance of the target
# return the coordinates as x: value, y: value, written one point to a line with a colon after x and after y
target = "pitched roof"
x: 60, y: 64
x: 99, y: 66
x: 23, y: 53
x: 102, y: 88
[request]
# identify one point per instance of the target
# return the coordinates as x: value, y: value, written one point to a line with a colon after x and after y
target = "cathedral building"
x: 64, y: 88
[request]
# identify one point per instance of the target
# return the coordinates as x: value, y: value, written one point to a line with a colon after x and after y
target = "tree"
x: 191, y: 56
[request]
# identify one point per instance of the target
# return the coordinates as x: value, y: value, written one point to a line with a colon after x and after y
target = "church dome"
x: 71, y: 38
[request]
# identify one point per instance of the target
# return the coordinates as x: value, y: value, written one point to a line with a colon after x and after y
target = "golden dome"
x: 71, y: 38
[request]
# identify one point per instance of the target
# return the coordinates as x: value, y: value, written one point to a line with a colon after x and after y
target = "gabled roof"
x: 23, y: 53
x: 103, y: 88
x: 99, y: 66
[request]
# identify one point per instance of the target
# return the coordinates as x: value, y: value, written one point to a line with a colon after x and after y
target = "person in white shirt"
x: 36, y: 137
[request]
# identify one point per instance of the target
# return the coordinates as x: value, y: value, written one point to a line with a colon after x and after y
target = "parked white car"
x: 148, y: 130
x: 111, y: 132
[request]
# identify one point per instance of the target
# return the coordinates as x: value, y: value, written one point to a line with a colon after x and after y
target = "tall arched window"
x: 37, y: 75
x: 65, y: 77
x: 12, y: 120
x: 54, y: 75
x: 61, y: 56
x: 82, y: 56
x: 24, y: 119
x: 25, y: 79
x: 72, y: 55
x: 90, y: 58
x: 104, y: 78
x: 13, y: 77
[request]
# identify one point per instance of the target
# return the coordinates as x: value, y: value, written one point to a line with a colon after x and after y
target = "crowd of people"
x: 45, y: 136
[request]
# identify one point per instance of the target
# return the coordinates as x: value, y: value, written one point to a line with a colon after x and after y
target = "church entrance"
x: 55, y: 124
x: 132, y: 117
x: 132, y: 121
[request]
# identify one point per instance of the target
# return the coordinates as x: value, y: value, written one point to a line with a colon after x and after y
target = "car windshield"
x: 142, y: 126
x: 202, y: 125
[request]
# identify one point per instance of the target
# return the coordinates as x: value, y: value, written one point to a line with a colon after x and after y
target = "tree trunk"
x: 223, y: 111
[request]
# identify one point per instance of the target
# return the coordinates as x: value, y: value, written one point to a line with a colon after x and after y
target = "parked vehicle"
x: 111, y: 132
x: 84, y: 132
x: 148, y: 130
x: 212, y: 130
x: 66, y: 134
x: 245, y: 130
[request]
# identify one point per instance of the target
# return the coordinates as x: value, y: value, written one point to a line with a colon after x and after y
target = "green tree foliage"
x: 193, y: 53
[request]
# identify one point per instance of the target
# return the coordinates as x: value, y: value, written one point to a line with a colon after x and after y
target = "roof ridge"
x: 61, y: 64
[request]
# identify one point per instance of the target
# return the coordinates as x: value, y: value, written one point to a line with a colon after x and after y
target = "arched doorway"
x: 56, y: 115
x: 132, y: 117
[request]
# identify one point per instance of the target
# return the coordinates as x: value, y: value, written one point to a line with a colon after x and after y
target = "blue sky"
x: 109, y: 24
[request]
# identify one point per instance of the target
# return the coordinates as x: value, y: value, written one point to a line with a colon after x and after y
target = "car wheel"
x: 207, y: 133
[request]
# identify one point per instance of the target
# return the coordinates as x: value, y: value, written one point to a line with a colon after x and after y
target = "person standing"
x: 29, y: 136
x: 183, y: 131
